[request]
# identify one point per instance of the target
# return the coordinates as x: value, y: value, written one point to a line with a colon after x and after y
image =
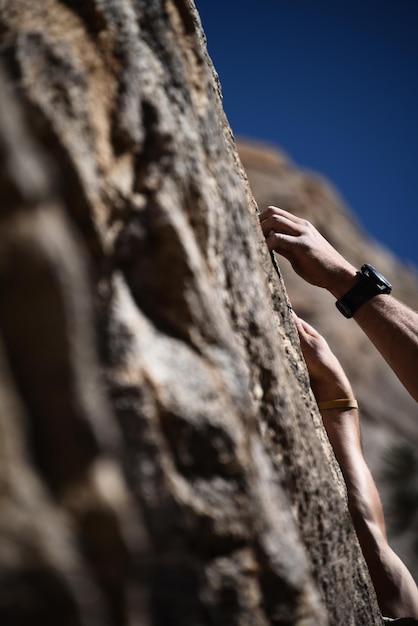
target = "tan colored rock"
x: 150, y: 347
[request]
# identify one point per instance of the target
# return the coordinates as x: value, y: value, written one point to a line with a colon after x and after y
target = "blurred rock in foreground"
x: 163, y: 461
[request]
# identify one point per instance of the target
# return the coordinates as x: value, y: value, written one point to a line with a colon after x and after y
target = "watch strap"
x: 369, y: 284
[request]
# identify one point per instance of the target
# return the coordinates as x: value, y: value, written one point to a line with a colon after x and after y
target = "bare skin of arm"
x: 395, y: 588
x: 389, y: 324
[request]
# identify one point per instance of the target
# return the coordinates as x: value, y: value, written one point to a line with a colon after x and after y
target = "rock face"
x: 389, y: 414
x: 163, y: 461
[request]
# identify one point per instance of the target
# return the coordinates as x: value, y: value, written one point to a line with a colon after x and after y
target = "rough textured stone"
x: 150, y: 357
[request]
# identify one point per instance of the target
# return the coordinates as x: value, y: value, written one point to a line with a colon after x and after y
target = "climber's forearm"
x: 395, y: 588
x: 396, y: 591
x: 393, y: 328
x: 343, y: 431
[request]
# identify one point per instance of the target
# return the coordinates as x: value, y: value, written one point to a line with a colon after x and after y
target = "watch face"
x: 378, y: 279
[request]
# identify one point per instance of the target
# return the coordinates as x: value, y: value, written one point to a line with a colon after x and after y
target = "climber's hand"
x: 310, y: 254
x: 328, y: 379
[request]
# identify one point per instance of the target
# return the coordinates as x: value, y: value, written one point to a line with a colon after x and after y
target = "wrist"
x: 343, y: 281
x: 330, y: 390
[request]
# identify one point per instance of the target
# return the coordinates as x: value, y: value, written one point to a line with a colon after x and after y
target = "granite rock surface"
x: 163, y: 458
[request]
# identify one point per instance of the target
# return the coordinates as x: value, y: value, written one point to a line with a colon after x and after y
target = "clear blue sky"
x: 334, y: 83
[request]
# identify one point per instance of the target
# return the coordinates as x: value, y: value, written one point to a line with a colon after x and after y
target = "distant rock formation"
x: 162, y: 458
x: 390, y: 415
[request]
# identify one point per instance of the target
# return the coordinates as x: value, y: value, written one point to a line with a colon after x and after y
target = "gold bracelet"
x: 341, y: 403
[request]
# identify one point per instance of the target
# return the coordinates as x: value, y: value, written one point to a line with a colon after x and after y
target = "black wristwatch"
x: 371, y: 283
